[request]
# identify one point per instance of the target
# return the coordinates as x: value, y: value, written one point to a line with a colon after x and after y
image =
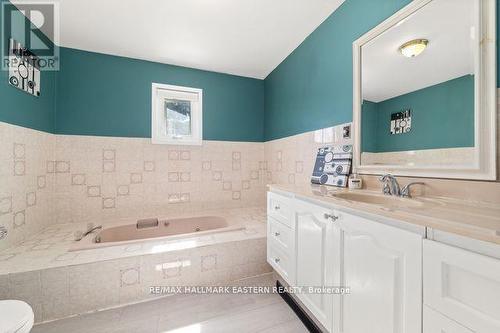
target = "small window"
x: 176, y: 115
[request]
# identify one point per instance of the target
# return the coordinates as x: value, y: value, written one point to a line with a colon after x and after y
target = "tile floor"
x: 188, y: 314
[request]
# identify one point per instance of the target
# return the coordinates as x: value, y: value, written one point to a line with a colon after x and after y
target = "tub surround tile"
x: 123, y: 190
x: 30, y: 199
x: 19, y: 219
x: 93, y: 191
x: 63, y: 166
x: 108, y: 166
x: 129, y: 277
x: 51, y: 166
x: 161, y: 178
x: 19, y: 151
x: 97, y: 279
x: 49, y: 248
x: 173, y: 155
x: 108, y: 203
x: 5, y: 205
x: 185, y: 155
x: 136, y: 178
x: 27, y: 187
x: 42, y: 182
x: 206, y: 165
x: 19, y: 168
x: 109, y: 154
x: 208, y: 262
x: 149, y: 166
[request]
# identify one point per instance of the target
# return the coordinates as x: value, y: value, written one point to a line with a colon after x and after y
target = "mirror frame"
x: 485, y: 113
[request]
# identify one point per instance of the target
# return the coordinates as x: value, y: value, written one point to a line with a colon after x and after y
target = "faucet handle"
x: 383, y: 178
x: 405, y: 191
x: 386, y: 189
x: 391, y: 186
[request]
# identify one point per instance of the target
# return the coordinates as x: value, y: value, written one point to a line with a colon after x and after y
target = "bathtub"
x: 163, y: 230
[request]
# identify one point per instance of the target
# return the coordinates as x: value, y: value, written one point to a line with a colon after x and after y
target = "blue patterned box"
x: 333, y: 165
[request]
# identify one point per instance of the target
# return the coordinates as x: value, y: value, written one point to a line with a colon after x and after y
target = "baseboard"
x: 303, y: 316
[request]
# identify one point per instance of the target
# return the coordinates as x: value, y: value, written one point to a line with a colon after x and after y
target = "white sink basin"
x: 378, y: 199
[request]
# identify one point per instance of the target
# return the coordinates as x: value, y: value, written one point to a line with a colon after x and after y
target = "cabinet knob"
x: 276, y: 260
x: 276, y: 234
x: 330, y: 217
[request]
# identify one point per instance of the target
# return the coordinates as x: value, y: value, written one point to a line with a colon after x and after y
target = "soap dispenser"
x: 355, y: 182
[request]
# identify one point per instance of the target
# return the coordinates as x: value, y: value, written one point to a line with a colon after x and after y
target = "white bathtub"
x: 165, y: 229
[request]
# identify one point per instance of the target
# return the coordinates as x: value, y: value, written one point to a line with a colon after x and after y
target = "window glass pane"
x: 178, y: 117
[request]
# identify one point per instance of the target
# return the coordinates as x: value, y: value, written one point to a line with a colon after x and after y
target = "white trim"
x: 485, y: 109
x: 197, y: 115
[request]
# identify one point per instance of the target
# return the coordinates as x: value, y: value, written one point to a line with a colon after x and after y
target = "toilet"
x: 15, y: 317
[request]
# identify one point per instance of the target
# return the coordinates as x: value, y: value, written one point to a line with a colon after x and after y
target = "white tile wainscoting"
x: 48, y: 179
x: 26, y: 185
x: 113, y: 178
x: 51, y: 179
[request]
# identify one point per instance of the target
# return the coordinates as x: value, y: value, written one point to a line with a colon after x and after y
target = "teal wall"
x: 442, y: 117
x: 111, y: 96
x: 312, y: 87
x: 369, y: 126
x: 23, y: 109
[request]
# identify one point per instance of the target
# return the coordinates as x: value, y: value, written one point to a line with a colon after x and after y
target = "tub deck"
x: 58, y: 283
x: 51, y: 247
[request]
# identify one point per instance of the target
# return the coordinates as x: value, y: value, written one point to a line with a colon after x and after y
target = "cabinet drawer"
x: 462, y: 285
x: 280, y: 261
x: 279, y: 207
x: 434, y: 322
x: 281, y: 235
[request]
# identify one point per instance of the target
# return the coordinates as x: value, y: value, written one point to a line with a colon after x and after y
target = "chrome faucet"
x: 391, y: 186
x: 79, y: 235
x: 405, y: 191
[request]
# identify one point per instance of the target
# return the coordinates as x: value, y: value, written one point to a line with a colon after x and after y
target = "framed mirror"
x: 425, y: 92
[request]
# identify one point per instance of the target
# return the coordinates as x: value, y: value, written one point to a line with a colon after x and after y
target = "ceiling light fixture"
x: 413, y: 48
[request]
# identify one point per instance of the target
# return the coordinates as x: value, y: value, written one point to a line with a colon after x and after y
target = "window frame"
x: 196, y: 137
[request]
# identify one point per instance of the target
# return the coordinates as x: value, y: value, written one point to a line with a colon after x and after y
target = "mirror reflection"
x: 419, y: 88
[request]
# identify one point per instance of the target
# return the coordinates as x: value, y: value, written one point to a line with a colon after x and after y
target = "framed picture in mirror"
x: 425, y: 92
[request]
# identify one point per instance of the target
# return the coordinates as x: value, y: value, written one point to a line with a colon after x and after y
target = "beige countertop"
x: 466, y: 218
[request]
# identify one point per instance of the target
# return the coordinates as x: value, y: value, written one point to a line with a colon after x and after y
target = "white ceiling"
x: 450, y: 53
x: 242, y: 37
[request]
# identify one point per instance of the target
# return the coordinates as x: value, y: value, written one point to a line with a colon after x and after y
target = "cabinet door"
x: 435, y: 322
x: 314, y: 248
x: 382, y: 267
x: 463, y: 285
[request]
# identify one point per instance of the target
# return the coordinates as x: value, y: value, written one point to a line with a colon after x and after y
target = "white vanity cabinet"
x: 281, y: 236
x: 315, y: 253
x: 397, y: 280
x: 380, y: 264
x: 382, y: 267
x: 461, y: 285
